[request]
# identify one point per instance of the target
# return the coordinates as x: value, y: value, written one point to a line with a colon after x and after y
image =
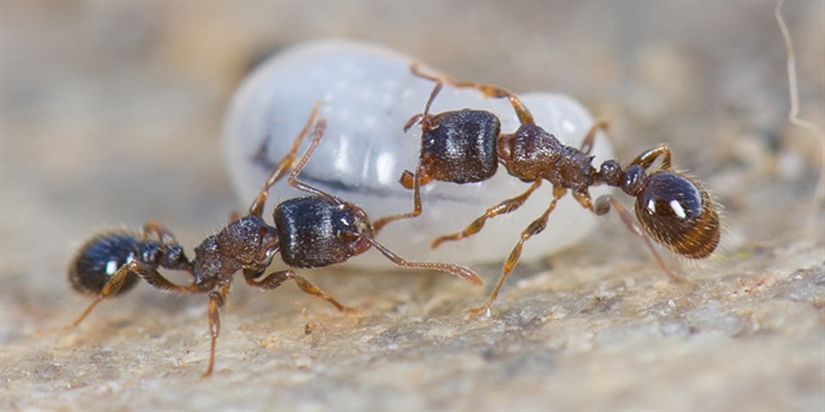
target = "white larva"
x: 367, y: 95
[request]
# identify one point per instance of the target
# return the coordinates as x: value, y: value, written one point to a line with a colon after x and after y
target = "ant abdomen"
x: 460, y: 146
x: 101, y: 257
x: 679, y: 214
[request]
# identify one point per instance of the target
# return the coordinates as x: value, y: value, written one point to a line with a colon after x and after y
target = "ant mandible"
x: 311, y: 231
x: 465, y: 146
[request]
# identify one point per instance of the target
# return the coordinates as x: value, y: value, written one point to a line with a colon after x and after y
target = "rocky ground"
x: 111, y: 115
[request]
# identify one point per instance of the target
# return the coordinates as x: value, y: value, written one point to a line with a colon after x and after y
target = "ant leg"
x: 603, y: 205
x: 506, y: 206
x: 648, y: 157
x: 583, y: 197
x: 587, y: 143
x: 151, y: 276
x: 457, y: 270
x: 275, y: 279
x: 380, y: 223
x: 280, y: 169
x: 216, y: 301
x: 489, y: 91
x: 407, y: 177
x: 418, y: 179
x: 536, y: 227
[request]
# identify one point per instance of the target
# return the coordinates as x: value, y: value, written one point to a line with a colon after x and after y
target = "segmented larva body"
x: 368, y: 94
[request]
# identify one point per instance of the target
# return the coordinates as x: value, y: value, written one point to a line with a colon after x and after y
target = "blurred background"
x: 111, y: 114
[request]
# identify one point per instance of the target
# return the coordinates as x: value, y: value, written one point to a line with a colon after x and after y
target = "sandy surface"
x: 111, y: 115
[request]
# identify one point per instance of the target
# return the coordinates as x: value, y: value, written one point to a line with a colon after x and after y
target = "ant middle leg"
x: 535, y: 227
x: 256, y: 209
x: 506, y: 206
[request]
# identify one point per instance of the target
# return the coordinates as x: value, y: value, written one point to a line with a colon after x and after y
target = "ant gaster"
x: 311, y: 231
x: 466, y: 146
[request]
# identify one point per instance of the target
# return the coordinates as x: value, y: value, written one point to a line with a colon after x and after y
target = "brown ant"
x: 312, y: 231
x: 464, y: 146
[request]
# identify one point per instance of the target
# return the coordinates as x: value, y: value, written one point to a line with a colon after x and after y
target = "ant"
x: 311, y: 231
x: 465, y: 146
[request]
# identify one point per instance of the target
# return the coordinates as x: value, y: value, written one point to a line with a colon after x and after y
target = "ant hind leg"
x: 506, y: 206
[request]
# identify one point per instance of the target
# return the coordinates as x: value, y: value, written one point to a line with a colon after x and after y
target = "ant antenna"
x: 278, y: 172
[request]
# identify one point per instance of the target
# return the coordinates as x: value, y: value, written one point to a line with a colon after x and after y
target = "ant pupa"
x: 466, y: 146
x: 368, y: 92
x: 310, y: 231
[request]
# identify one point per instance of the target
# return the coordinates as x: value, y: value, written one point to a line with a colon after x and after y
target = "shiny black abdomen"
x: 100, y: 258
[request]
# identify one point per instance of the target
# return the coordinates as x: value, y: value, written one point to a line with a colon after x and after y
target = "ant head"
x: 675, y: 211
x: 357, y: 228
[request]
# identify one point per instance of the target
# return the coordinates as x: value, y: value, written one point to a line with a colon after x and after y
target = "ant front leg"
x: 536, y: 227
x: 285, y: 164
x: 602, y: 207
x: 275, y: 279
x: 506, y: 206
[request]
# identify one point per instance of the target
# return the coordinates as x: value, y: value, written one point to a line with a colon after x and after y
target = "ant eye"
x: 678, y: 214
